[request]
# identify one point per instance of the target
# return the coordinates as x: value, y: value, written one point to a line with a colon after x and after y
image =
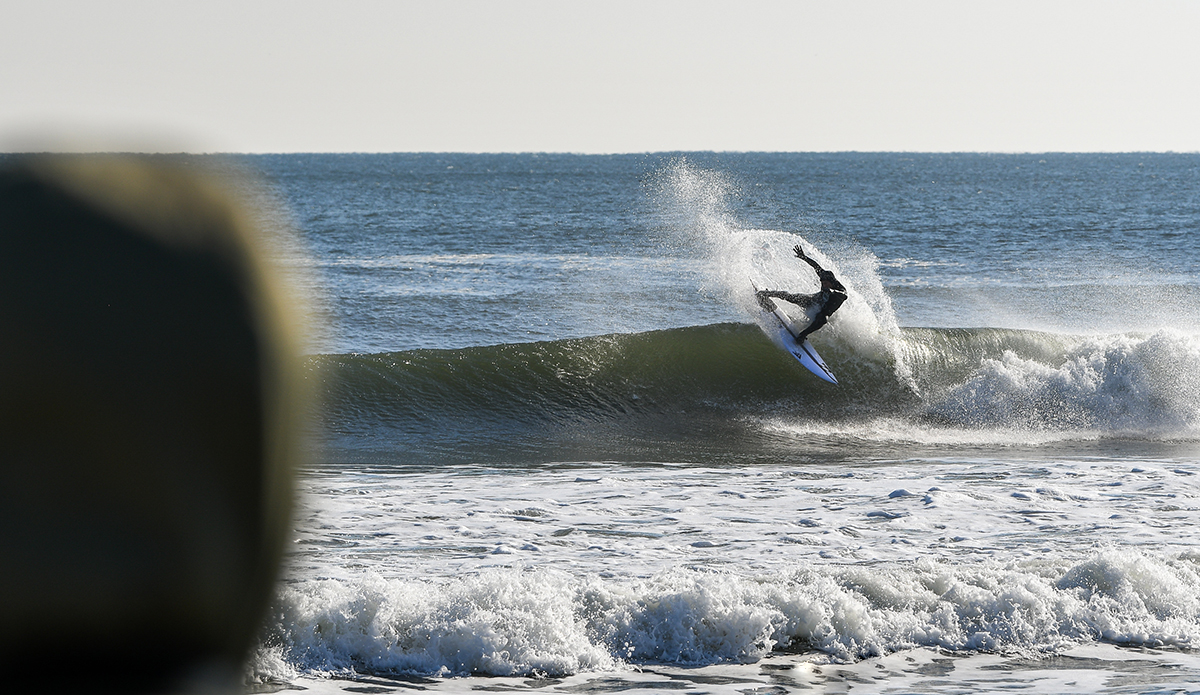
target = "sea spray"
x: 695, y: 204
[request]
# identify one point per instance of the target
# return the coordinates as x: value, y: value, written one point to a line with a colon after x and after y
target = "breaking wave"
x: 514, y: 621
x: 716, y: 386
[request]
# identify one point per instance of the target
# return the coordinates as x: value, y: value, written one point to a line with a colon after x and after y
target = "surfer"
x: 829, y: 299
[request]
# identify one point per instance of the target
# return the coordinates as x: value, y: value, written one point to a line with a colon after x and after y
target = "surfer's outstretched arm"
x: 804, y: 257
x: 828, y: 280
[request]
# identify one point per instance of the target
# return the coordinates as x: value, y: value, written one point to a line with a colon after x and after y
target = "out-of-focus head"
x: 150, y: 407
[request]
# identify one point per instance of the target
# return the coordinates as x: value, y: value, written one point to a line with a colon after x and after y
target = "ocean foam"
x: 503, y: 622
x: 1117, y: 384
x: 506, y: 622
x: 605, y: 567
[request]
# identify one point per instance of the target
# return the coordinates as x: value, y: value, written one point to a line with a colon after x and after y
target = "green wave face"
x: 724, y: 389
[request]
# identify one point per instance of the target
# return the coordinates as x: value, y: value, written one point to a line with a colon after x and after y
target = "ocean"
x: 558, y: 451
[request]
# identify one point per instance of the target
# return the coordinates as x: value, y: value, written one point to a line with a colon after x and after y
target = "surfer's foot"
x: 764, y: 301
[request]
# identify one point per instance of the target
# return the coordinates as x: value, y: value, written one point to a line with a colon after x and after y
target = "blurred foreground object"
x: 150, y: 405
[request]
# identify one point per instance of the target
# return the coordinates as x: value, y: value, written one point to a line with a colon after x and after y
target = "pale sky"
x: 607, y: 76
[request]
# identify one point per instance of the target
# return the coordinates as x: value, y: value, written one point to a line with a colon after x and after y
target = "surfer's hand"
x: 799, y: 251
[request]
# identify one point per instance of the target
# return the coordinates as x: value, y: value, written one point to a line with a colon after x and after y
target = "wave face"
x: 718, y: 388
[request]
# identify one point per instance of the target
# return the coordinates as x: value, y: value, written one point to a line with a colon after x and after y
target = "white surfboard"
x: 804, y: 352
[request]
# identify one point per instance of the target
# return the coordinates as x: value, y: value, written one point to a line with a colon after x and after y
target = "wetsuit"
x: 829, y: 298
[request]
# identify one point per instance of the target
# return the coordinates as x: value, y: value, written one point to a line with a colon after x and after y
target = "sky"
x: 600, y: 77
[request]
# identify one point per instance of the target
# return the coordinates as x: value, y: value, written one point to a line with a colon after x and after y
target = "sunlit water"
x: 559, y: 454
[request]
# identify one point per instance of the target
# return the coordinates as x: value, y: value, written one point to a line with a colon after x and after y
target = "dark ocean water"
x: 514, y: 248
x: 556, y: 440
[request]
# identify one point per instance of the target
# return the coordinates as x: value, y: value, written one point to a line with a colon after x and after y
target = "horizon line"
x: 164, y: 152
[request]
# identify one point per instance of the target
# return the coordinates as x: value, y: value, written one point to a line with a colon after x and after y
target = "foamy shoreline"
x: 1094, y: 668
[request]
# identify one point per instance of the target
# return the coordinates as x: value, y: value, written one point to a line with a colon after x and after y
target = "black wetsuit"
x: 829, y: 299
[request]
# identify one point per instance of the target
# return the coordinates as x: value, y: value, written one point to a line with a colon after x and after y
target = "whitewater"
x: 558, y: 452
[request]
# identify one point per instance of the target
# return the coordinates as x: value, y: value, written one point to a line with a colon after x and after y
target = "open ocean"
x: 558, y: 453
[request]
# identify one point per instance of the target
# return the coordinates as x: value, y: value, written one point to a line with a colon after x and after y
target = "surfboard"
x: 804, y: 352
